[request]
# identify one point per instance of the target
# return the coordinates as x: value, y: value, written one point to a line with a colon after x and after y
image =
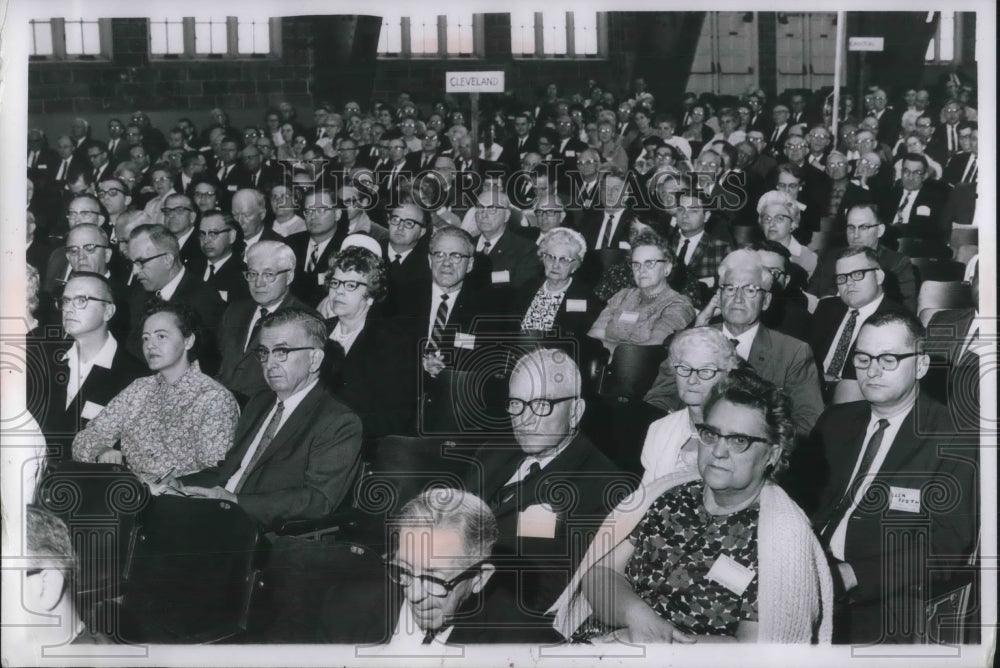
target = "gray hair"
x: 48, y: 542
x: 743, y: 258
x: 566, y: 236
x: 279, y: 250
x: 457, y: 233
x: 778, y: 198
x: 313, y: 327
x: 449, y: 508
x: 705, y: 338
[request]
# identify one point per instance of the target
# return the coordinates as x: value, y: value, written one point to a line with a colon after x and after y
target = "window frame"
x: 539, y: 54
x: 232, y: 43
x: 956, y: 57
x: 405, y: 53
x: 58, y: 27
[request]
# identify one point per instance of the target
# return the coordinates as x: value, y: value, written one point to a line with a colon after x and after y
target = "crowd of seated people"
x: 243, y: 314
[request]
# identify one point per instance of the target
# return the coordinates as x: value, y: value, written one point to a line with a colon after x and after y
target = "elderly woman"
x: 177, y: 421
x: 365, y: 360
x: 721, y: 553
x: 614, y: 157
x: 652, y: 311
x: 700, y: 357
x: 163, y: 186
x: 779, y: 216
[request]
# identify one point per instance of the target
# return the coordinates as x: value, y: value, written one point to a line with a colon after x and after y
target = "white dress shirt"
x: 79, y: 370
x: 436, y: 293
x: 863, y: 314
x: 744, y: 341
x: 168, y: 290
x: 692, y: 244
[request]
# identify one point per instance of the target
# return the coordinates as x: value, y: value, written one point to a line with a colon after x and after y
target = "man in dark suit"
x: 865, y: 229
x: 155, y: 256
x: 916, y: 204
x: 297, y: 449
x: 567, y: 149
x: 888, y: 120
x: 271, y: 268
x: 423, y: 160
x: 67, y: 166
x: 584, y: 193
x: 502, y: 257
x: 524, y: 485
x: 181, y: 217
x: 836, y: 322
x: 229, y: 174
x: 779, y: 131
x: 405, y: 252
x: 42, y: 160
x: 87, y: 249
x: 744, y: 285
x: 84, y: 372
x: 117, y: 144
x: 429, y: 594
x: 788, y: 311
x: 963, y: 167
x: 699, y: 254
x: 325, y: 231
x: 220, y: 268
x: 880, y: 551
x: 523, y: 141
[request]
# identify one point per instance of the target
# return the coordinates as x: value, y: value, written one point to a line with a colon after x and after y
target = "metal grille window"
x: 556, y: 34
x: 214, y: 37
x: 62, y: 39
x: 430, y: 35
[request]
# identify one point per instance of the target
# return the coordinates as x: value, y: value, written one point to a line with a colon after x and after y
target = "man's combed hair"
x: 314, y: 328
x: 915, y: 328
x: 449, y: 508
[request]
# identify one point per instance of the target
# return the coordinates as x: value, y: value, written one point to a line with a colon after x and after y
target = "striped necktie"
x: 440, y: 321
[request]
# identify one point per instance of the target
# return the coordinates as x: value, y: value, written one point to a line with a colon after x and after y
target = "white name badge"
x: 731, y: 574
x: 708, y: 280
x: 233, y: 188
x: 42, y: 167
x: 571, y: 154
x: 629, y: 316
x: 467, y: 341
x: 224, y: 294
x: 923, y: 210
x: 624, y: 245
x: 91, y: 410
x: 905, y: 499
x: 321, y: 278
x: 576, y: 305
x: 538, y: 521
x: 500, y: 276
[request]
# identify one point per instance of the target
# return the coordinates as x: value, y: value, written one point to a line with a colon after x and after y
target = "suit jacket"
x: 307, y: 469
x: 120, y: 154
x: 413, y: 270
x: 955, y: 169
x: 590, y: 227
x: 900, y: 282
x: 708, y: 254
x: 780, y: 359
x: 239, y: 369
x: 309, y: 285
x: 882, y: 542
x: 953, y: 378
x: 826, y: 321
x: 926, y: 219
x: 537, y: 568
x: 228, y: 281
x: 512, y: 154
x: 510, y: 253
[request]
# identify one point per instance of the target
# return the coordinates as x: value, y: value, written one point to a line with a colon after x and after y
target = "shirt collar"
x: 292, y: 402
x: 168, y: 290
x: 104, y: 357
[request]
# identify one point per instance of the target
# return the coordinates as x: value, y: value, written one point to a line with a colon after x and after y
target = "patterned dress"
x: 541, y: 314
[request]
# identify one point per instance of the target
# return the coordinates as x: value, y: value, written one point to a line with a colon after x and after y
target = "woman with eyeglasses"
x: 700, y: 357
x: 174, y: 422
x: 779, y: 216
x: 652, y: 311
x: 364, y: 355
x: 720, y: 553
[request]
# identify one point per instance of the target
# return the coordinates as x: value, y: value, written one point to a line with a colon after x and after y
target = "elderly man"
x: 611, y: 225
x: 286, y: 220
x: 865, y: 229
x: 503, y: 257
x: 297, y: 449
x: 743, y: 294
x: 916, y: 205
x: 221, y: 270
x: 249, y: 210
x: 82, y: 210
x: 537, y: 528
x: 439, y: 572
x: 86, y: 370
x: 160, y: 272
x: 779, y: 132
x: 181, y: 217
x: 97, y: 154
x: 269, y: 275
x: 405, y: 252
x: 314, y: 247
x: 879, y: 553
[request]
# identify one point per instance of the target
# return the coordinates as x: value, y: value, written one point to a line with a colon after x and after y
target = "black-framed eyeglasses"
x: 861, y: 228
x: 266, y: 276
x: 140, y: 263
x: 540, y: 407
x: 886, y: 361
x: 548, y: 212
x: 780, y: 218
x: 82, y: 214
x: 169, y: 211
x: 490, y: 209
x: 432, y: 585
x: 441, y: 256
x: 110, y: 192
x: 648, y: 265
x: 203, y: 193
x: 316, y: 210
x: 73, y: 251
x: 350, y: 286
x: 78, y: 301
x: 855, y: 276
x: 212, y: 234
x: 685, y: 371
x: 737, y: 442
x: 776, y: 274
x: 279, y: 354
x: 405, y: 223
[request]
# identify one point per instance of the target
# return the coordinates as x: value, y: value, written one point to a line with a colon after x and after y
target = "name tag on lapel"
x: 624, y: 245
x: 233, y: 188
x: 91, y: 410
x: 923, y: 210
x: 571, y: 154
x: 731, y: 574
x: 904, y: 499
x: 321, y: 278
x: 500, y: 277
x: 576, y: 305
x: 224, y: 294
x: 538, y: 521
x: 467, y: 341
x: 629, y: 316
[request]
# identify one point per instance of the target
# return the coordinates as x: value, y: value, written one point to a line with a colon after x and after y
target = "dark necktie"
x: 265, y: 441
x: 970, y: 169
x: 902, y: 207
x: 735, y: 342
x: 509, y: 491
x: 398, y: 260
x: 775, y: 135
x: 605, y: 241
x: 256, y: 326
x: 843, y: 345
x: 487, y: 246
x: 429, y: 637
x: 211, y: 272
x: 681, y: 261
x: 440, y: 321
x: 63, y: 168
x: 313, y: 257
x: 874, y: 443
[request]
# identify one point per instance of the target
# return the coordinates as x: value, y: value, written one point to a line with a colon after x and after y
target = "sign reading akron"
x: 474, y: 82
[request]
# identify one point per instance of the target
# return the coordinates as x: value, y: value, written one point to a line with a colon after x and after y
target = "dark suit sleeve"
x: 663, y: 394
x: 334, y: 451
x: 802, y: 386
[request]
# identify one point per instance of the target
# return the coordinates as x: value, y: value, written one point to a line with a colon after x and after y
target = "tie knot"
x: 263, y: 314
x: 882, y: 424
x: 281, y: 405
x: 444, y: 297
x: 734, y: 341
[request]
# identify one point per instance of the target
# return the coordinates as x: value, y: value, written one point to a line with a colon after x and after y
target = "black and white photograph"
x: 497, y: 334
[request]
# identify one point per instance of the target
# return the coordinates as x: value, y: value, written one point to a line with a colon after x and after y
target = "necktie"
x: 735, y: 342
x: 970, y: 170
x: 429, y: 637
x: 608, y: 229
x: 952, y: 138
x: 398, y: 260
x: 33, y: 159
x: 313, y: 256
x: 486, y: 247
x: 843, y: 345
x: 509, y: 491
x: 874, y: 443
x: 210, y: 273
x: 775, y: 135
x: 112, y: 145
x: 256, y: 326
x: 265, y: 441
x: 682, y: 255
x: 902, y: 207
x: 440, y: 321
x: 63, y: 168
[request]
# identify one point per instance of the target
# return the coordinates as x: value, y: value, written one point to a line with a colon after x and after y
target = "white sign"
x: 474, y: 82
x: 866, y: 44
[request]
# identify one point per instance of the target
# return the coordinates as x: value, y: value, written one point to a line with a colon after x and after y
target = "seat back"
x: 937, y: 269
x: 963, y: 236
x: 631, y: 371
x: 467, y: 404
x: 744, y: 235
x: 822, y: 240
x: 191, y: 572
x: 920, y: 248
x: 944, y: 294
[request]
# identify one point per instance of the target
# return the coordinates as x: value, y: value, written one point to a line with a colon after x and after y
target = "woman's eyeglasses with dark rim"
x: 738, y: 443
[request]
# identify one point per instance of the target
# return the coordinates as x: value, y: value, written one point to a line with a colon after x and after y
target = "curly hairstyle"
x: 364, y: 262
x: 743, y: 387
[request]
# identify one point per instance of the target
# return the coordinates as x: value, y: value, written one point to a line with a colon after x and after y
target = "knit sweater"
x: 795, y: 589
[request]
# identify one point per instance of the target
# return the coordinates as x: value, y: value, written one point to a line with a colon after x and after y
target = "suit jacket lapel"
x: 760, y: 350
x: 291, y: 423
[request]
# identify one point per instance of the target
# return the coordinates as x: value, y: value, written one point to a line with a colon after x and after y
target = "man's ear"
x: 766, y: 303
x: 579, y: 406
x: 881, y: 230
x: 923, y: 365
x: 316, y: 356
x: 485, y: 573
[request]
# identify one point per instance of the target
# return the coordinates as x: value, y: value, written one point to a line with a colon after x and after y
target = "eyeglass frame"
x: 440, y: 256
x: 335, y: 283
x: 841, y: 279
x: 727, y: 438
x: 648, y: 265
x: 429, y: 580
x: 530, y: 403
x: 405, y: 223
x: 280, y: 353
x: 251, y: 276
x: 63, y: 302
x: 698, y: 372
x: 878, y: 358
x: 89, y: 249
x: 559, y: 260
x: 141, y: 263
x: 730, y: 290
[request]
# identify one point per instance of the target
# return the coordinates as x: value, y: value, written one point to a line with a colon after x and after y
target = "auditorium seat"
x: 962, y: 235
x: 921, y: 248
x: 937, y: 269
x: 944, y: 294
